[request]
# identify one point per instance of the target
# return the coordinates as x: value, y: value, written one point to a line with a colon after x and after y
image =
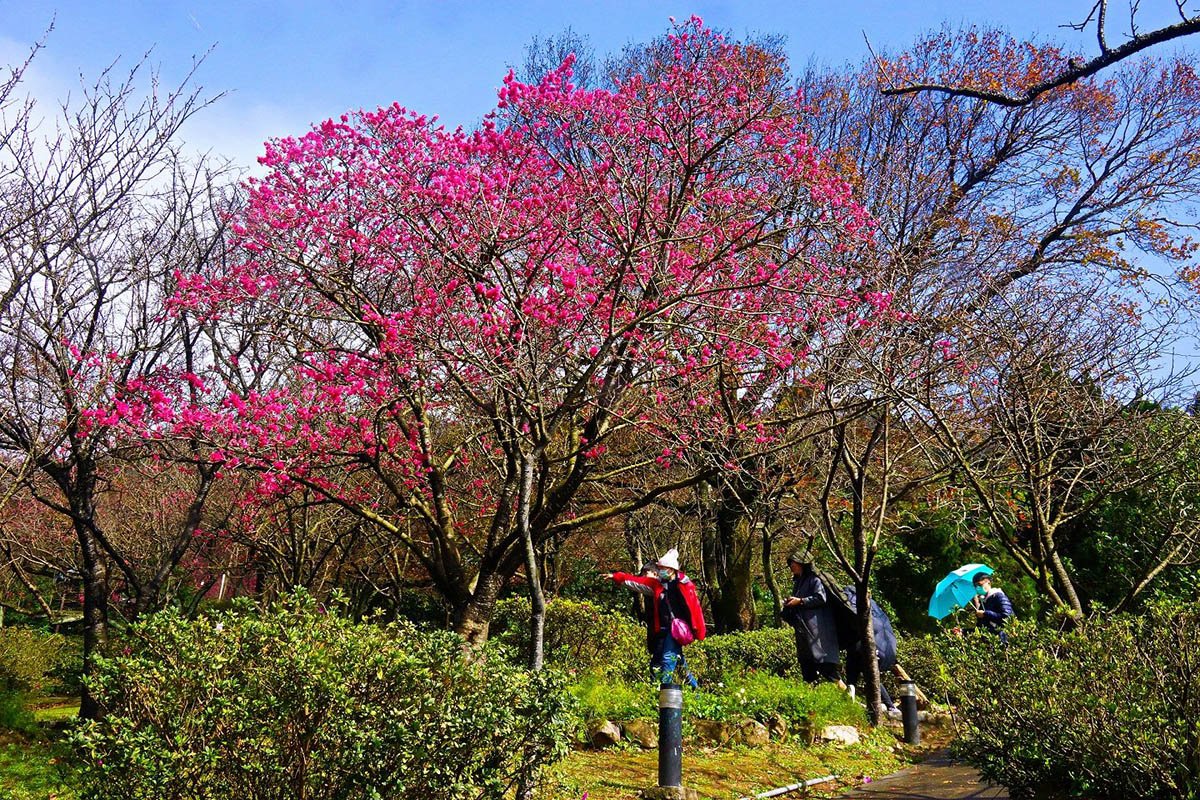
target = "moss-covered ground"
x: 619, y: 774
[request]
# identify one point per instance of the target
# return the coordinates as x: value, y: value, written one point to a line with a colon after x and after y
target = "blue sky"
x: 288, y: 65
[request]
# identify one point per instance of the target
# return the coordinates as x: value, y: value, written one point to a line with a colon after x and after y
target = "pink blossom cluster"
x: 585, y: 262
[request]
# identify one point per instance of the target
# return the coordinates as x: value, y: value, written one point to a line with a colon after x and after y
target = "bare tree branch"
x: 1075, y: 69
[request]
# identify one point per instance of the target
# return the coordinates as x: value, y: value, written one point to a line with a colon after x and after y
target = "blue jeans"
x: 667, y: 663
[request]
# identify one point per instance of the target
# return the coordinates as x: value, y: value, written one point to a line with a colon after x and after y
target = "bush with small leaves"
x: 733, y: 655
x: 293, y: 702
x: 1109, y: 709
x: 580, y: 637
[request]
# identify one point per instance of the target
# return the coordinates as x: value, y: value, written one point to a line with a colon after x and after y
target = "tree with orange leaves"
x: 1056, y: 69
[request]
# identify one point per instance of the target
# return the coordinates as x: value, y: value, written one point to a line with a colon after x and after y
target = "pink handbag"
x: 681, y: 632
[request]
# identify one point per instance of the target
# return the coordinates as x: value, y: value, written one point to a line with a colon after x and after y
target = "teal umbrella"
x: 956, y: 590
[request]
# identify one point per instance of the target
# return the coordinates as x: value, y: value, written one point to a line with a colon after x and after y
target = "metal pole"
x: 670, y: 735
x: 908, y: 711
x: 792, y: 787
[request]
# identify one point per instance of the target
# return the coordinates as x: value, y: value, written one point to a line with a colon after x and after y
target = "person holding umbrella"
x: 994, y: 609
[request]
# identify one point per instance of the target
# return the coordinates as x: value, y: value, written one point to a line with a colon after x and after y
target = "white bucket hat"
x: 670, y: 559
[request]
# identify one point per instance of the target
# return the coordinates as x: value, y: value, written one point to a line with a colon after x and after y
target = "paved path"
x: 939, y: 778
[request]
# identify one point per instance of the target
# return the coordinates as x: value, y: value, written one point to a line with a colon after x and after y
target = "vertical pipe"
x: 670, y: 735
x: 908, y: 711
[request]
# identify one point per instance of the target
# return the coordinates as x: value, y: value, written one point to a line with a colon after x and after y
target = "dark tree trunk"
x: 537, y: 601
x: 733, y: 601
x: 95, y: 613
x: 870, y: 665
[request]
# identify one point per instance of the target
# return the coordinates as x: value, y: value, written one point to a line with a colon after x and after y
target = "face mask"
x: 664, y: 575
x: 980, y: 590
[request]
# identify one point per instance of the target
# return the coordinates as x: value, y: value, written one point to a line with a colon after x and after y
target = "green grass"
x: 55, y: 709
x: 33, y: 771
x: 33, y: 767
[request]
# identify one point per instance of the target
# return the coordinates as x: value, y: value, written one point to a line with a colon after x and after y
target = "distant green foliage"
x: 14, y: 715
x: 761, y: 695
x: 580, y: 637
x: 604, y: 698
x: 585, y: 639
x: 1110, y: 710
x: 27, y: 657
x: 292, y: 702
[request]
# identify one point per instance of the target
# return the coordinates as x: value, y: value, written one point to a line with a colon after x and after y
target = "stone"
x: 752, y: 733
x: 670, y: 793
x: 603, y: 733
x: 642, y: 732
x: 845, y: 735
x: 717, y: 733
x: 777, y: 726
x: 938, y: 719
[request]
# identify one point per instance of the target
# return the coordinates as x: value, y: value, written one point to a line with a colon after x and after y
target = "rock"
x: 670, y: 793
x: 845, y: 735
x: 752, y: 733
x: 713, y: 732
x: 938, y: 719
x: 603, y: 733
x: 642, y: 732
x: 777, y: 726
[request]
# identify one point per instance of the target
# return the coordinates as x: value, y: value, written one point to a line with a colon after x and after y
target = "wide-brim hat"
x: 669, y: 559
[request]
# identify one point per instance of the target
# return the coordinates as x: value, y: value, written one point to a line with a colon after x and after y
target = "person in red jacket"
x: 676, y: 616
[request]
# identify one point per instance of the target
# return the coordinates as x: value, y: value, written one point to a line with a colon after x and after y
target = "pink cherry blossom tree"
x: 443, y: 332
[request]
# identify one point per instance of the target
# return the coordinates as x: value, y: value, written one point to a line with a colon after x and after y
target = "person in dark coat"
x: 809, y: 613
x: 993, y: 608
x: 885, y: 646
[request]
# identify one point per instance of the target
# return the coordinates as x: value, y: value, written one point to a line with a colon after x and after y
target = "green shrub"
x: 291, y: 702
x: 14, y: 715
x: 733, y: 655
x: 65, y: 677
x: 1109, y: 710
x: 27, y: 656
x: 580, y: 637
